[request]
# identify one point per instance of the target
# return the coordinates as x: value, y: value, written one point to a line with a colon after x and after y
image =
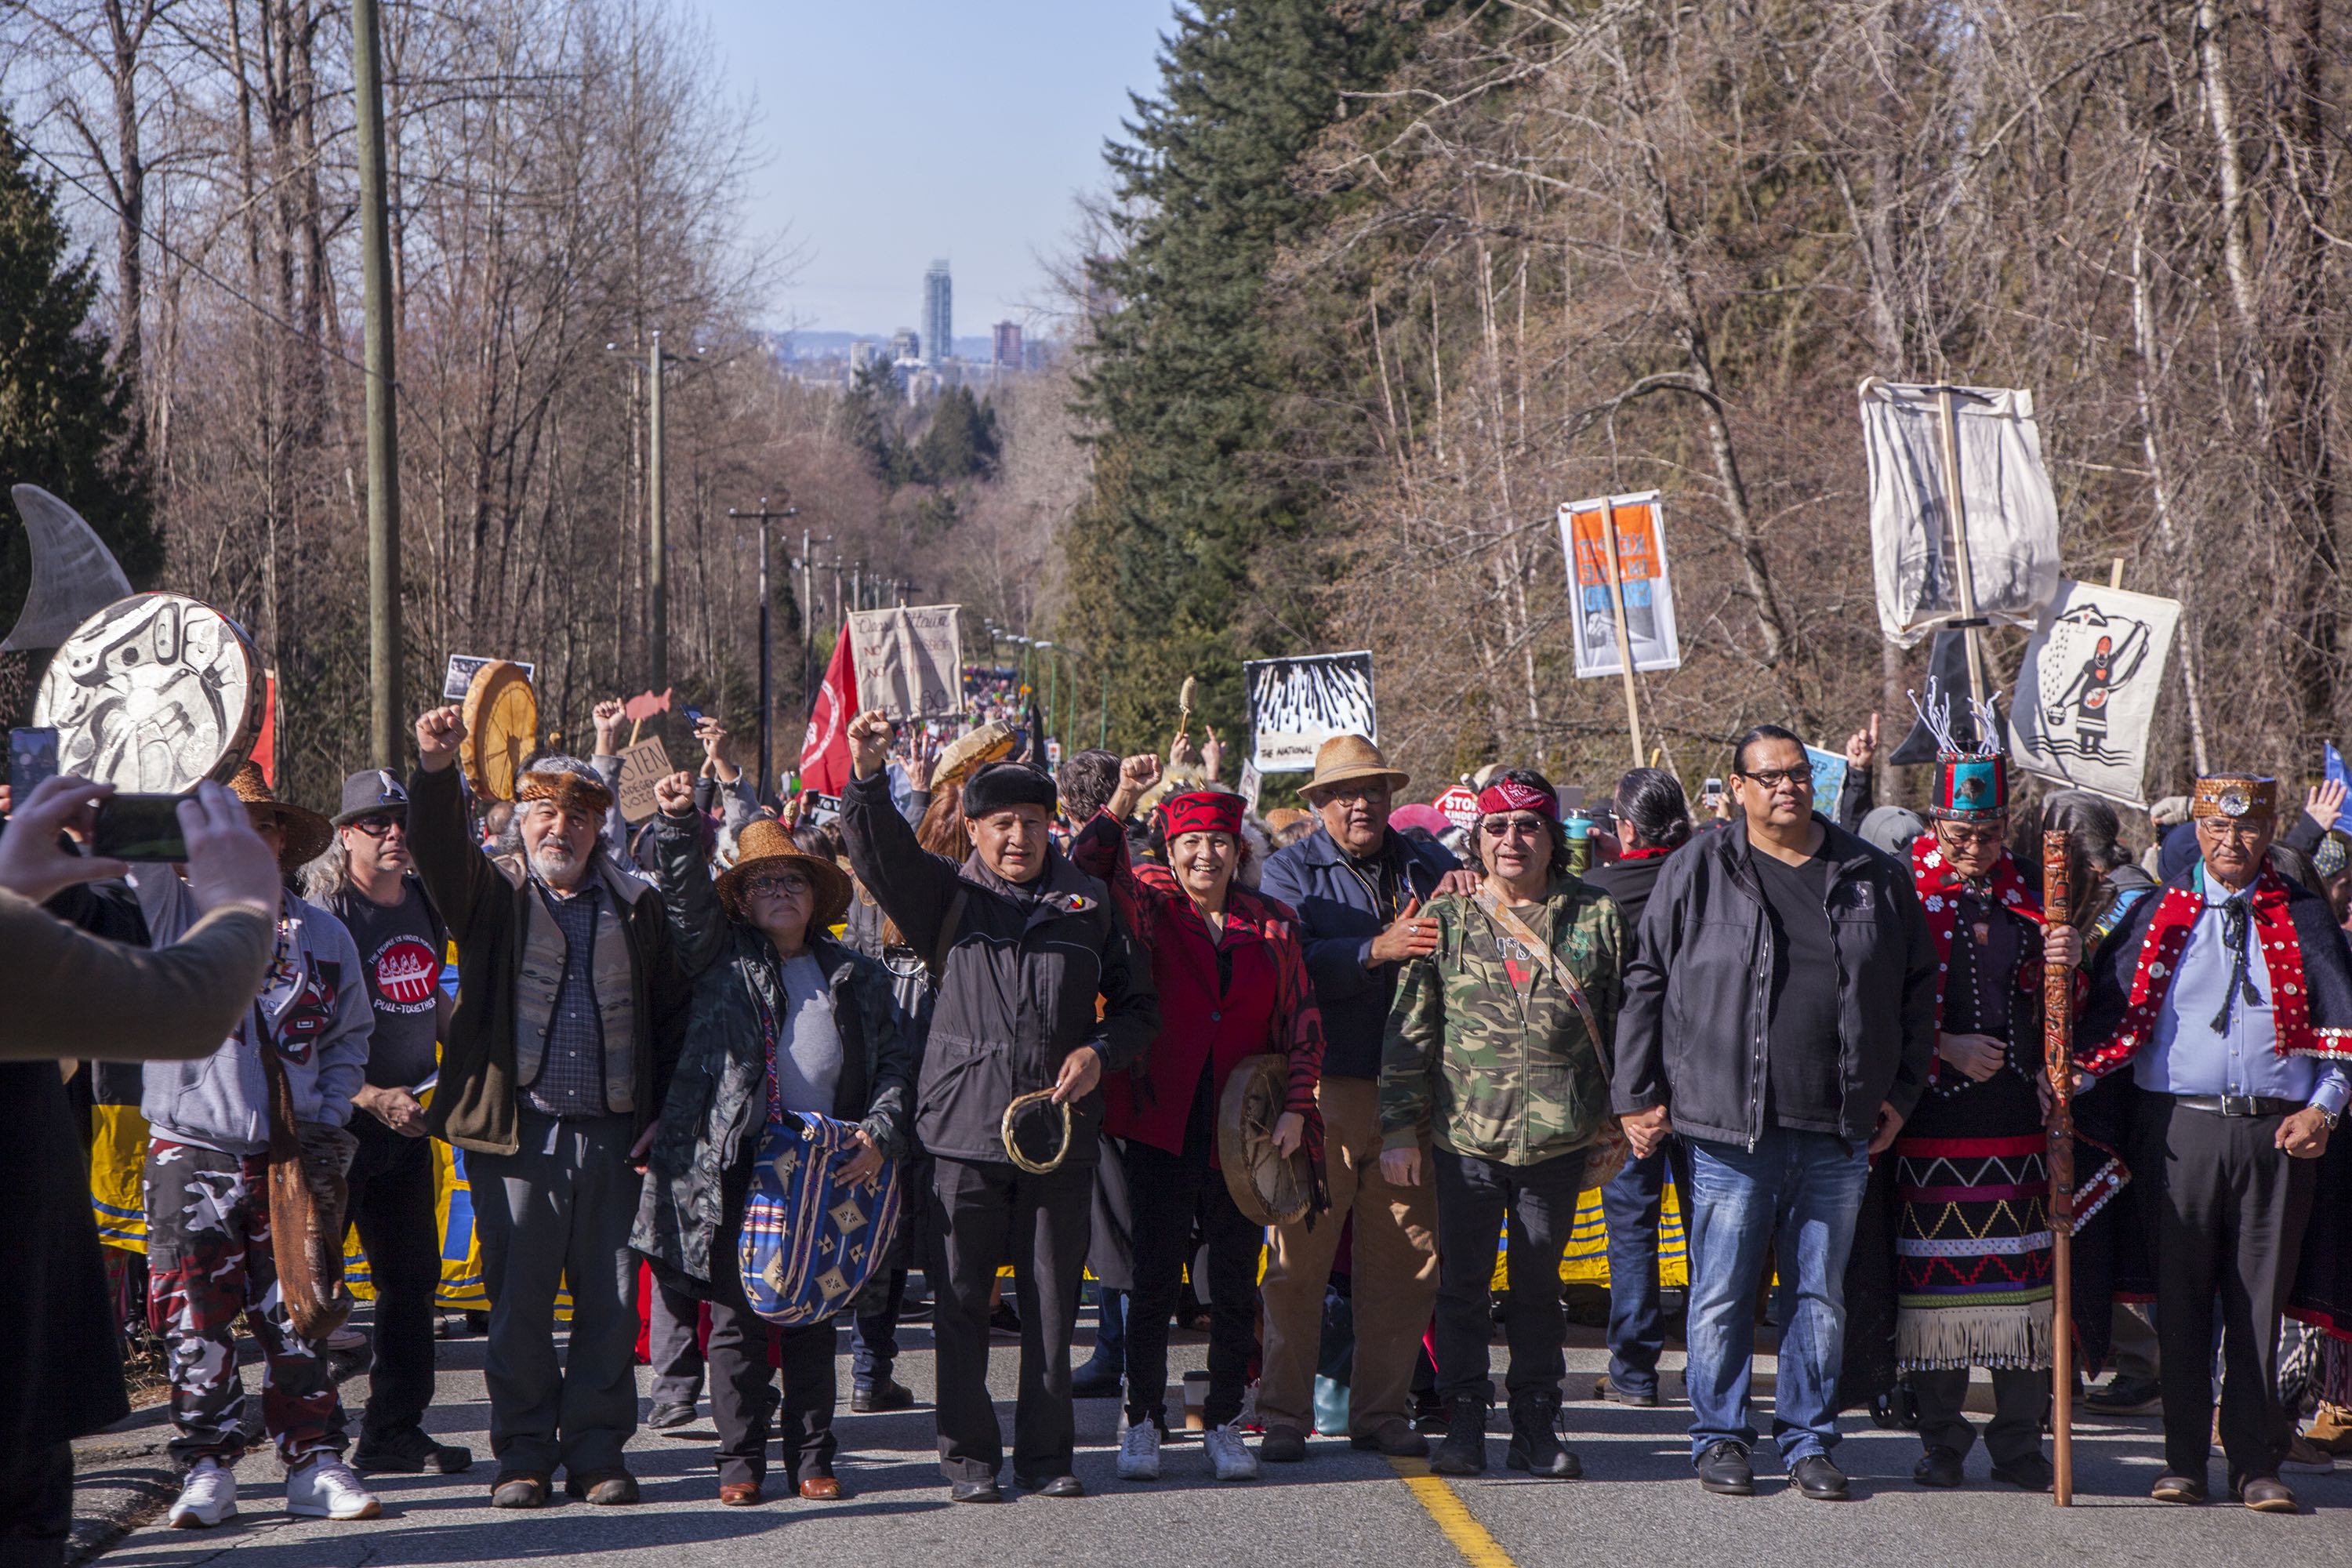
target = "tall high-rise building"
x: 1007, y: 352
x: 938, y: 314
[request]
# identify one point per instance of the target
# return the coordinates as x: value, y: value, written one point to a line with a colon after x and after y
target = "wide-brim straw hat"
x: 990, y: 743
x: 306, y: 831
x: 1344, y: 759
x: 766, y: 845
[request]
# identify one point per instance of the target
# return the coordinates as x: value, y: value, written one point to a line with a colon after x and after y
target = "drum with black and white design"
x: 153, y: 694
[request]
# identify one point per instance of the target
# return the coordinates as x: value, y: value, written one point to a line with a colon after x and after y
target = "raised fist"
x: 869, y: 742
x: 438, y: 733
x: 674, y: 793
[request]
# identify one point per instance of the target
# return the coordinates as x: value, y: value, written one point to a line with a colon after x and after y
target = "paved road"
x: 1636, y: 1506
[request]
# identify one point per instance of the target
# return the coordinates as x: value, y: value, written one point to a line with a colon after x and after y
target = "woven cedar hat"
x: 1343, y: 759
x: 307, y: 833
x: 2235, y: 795
x: 766, y: 845
x: 1972, y: 780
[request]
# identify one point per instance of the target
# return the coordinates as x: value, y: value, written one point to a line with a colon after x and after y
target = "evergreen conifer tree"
x: 66, y: 420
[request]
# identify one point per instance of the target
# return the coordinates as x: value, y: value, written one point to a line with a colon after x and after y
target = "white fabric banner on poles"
x: 2087, y: 690
x: 2010, y: 512
x: 1640, y: 526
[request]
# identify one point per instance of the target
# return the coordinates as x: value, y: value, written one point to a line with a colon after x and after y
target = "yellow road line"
x: 1478, y: 1549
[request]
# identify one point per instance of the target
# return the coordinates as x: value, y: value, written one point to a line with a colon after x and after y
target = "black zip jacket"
x: 1697, y: 1012
x: 1017, y: 993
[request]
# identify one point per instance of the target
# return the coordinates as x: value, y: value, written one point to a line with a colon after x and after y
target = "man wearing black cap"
x: 376, y: 894
x: 1020, y: 943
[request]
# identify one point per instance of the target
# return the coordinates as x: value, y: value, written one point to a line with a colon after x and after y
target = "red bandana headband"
x: 1204, y: 811
x: 1510, y: 794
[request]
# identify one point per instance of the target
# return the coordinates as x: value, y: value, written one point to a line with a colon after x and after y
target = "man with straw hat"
x: 210, y: 1250
x: 570, y: 1007
x: 1008, y: 1100
x: 1358, y: 887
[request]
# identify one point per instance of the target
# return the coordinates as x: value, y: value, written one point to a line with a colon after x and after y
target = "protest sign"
x: 1297, y: 704
x: 459, y: 675
x: 2087, y: 692
x: 642, y: 766
x: 1829, y: 780
x: 2007, y: 507
x: 1253, y: 784
x: 1584, y: 534
x: 1460, y: 804
x: 910, y: 661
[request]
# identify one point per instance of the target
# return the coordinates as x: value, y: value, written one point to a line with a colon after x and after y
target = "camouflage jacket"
x: 1486, y: 1051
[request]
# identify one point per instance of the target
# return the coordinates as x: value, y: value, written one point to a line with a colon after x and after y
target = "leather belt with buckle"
x: 2239, y: 1104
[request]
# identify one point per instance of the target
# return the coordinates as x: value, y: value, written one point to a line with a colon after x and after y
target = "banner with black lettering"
x: 1297, y: 704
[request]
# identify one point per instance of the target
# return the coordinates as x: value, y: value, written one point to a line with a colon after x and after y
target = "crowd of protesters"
x: 1027, y: 993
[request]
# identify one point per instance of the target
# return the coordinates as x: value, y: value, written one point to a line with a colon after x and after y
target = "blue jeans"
x: 1632, y: 1204
x: 1807, y: 1187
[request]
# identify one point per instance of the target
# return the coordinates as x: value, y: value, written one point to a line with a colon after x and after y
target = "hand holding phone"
x: 36, y: 860
x: 140, y: 827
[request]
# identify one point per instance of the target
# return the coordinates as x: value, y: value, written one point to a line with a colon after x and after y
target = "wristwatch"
x: 2330, y: 1117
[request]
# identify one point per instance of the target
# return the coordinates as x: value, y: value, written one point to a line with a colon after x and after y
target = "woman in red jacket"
x: 1232, y: 983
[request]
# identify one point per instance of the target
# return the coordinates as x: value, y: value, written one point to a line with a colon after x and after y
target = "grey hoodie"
x: 314, y: 1000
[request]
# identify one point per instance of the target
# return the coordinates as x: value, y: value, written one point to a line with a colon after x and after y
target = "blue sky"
x: 893, y: 131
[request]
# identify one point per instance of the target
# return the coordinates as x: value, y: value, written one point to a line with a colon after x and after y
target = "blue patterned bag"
x: 811, y: 1242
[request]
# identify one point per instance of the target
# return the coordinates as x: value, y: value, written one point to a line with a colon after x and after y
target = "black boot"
x: 1535, y: 1442
x: 1463, y: 1452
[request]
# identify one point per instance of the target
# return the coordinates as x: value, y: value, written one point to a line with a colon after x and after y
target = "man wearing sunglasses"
x: 375, y: 893
x: 1794, y: 963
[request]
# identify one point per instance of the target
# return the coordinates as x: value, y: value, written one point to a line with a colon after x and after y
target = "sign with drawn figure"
x: 1638, y: 521
x: 1297, y: 704
x: 2087, y: 690
x: 643, y: 765
x: 1829, y: 780
x: 459, y: 674
x: 2006, y: 505
x: 910, y: 661
x: 154, y: 693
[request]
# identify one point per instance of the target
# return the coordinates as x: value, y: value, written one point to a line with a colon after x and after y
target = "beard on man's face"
x: 555, y: 861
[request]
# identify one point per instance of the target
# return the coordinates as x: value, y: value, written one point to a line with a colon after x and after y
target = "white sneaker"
x: 1232, y: 1456
x: 1138, y: 1453
x: 207, y: 1497
x: 326, y: 1488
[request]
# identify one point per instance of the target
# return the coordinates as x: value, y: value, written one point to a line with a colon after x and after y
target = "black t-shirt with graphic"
x: 400, y: 952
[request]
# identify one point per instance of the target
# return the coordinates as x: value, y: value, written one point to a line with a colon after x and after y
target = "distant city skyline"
x: 874, y: 158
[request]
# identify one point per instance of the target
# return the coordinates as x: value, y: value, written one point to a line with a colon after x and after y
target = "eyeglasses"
x: 1773, y: 778
x: 787, y: 886
x: 2233, y: 828
x: 1514, y: 827
x: 378, y: 826
x: 1373, y: 794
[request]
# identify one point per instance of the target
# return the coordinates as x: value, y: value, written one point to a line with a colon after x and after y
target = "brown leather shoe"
x: 738, y: 1494
x: 1394, y: 1437
x: 821, y: 1489
x: 606, y: 1489
x: 2267, y: 1495
x: 518, y: 1489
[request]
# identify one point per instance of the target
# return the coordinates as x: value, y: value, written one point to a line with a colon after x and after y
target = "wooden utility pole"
x: 766, y: 786
x: 386, y: 741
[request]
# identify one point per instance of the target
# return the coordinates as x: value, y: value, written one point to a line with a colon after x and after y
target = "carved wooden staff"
x: 2057, y: 1037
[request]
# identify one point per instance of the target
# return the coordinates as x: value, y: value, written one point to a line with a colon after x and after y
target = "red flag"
x: 824, y: 755
x: 265, y: 745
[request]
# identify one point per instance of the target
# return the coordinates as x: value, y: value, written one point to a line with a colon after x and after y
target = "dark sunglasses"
x: 379, y: 825
x: 1514, y: 827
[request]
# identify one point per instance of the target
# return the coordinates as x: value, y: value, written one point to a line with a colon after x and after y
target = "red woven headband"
x: 1510, y: 794
x: 1204, y: 811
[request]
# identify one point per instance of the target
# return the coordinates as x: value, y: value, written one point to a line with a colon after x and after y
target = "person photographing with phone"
x: 1008, y: 1100
x: 75, y: 996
